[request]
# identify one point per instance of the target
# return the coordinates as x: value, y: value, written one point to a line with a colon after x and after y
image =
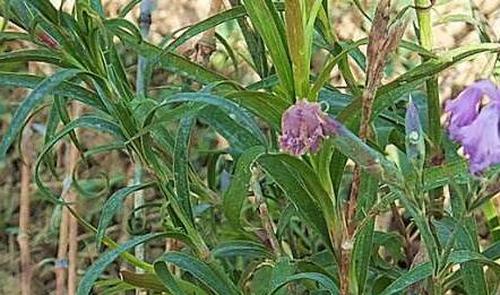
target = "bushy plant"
x: 294, y: 214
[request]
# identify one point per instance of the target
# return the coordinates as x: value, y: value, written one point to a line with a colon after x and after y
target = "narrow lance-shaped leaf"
x: 166, y: 278
x: 68, y: 89
x: 292, y: 180
x: 370, y: 160
x: 323, y: 280
x: 112, y: 205
x: 202, y: 271
x: 238, y: 189
x: 93, y: 272
x: 181, y: 164
x: 91, y: 122
x: 363, y: 242
x: 268, y: 23
x: 34, y: 99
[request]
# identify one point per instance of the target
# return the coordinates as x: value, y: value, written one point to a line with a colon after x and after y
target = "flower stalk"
x: 423, y: 8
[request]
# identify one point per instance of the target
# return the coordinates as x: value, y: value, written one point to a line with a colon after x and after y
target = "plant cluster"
x: 290, y: 202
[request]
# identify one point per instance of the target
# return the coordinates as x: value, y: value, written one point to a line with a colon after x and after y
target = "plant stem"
x: 433, y: 102
x: 70, y: 158
x: 61, y: 262
x: 138, y: 214
x: 73, y: 223
x: 141, y: 92
x: 24, y: 215
x: 384, y: 37
x: 434, y: 106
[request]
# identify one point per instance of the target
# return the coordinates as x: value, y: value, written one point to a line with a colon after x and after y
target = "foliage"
x: 283, y: 223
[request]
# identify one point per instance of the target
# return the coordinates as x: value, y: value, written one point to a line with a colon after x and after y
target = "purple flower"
x: 481, y: 139
x: 304, y: 125
x: 465, y: 108
x: 476, y: 125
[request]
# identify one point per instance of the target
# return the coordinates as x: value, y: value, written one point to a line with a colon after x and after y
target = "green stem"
x: 433, y: 101
x: 434, y: 106
x: 141, y: 86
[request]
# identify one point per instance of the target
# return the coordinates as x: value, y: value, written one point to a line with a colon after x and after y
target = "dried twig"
x: 24, y: 214
x: 205, y: 47
x: 73, y: 223
x: 71, y: 158
x: 383, y: 39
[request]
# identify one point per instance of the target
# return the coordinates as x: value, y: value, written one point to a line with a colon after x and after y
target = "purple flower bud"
x: 304, y: 125
x: 476, y: 126
x: 415, y: 143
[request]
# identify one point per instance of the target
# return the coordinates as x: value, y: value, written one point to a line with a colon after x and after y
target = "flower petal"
x: 481, y: 139
x: 465, y: 108
x: 304, y: 126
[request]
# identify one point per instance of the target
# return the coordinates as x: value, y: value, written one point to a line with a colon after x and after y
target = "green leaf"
x: 167, y: 60
x: 320, y: 278
x: 151, y: 281
x: 127, y: 8
x: 229, y: 107
x: 34, y: 99
x: 472, y: 272
x: 112, y: 205
x: 164, y: 275
x: 238, y: 189
x: 232, y: 129
x: 363, y: 243
x: 413, y: 276
x: 493, y: 220
x: 202, y: 271
x: 68, y: 89
x: 463, y: 256
x: 207, y: 24
x: 268, y: 23
x: 32, y: 55
x: 14, y: 36
x: 181, y: 164
x: 298, y: 45
x: 266, y: 106
x: 45, y: 8
x: 90, y: 122
x: 94, y: 271
x: 283, y: 269
x: 438, y: 176
x: 493, y: 251
x: 302, y: 188
x: 245, y: 249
